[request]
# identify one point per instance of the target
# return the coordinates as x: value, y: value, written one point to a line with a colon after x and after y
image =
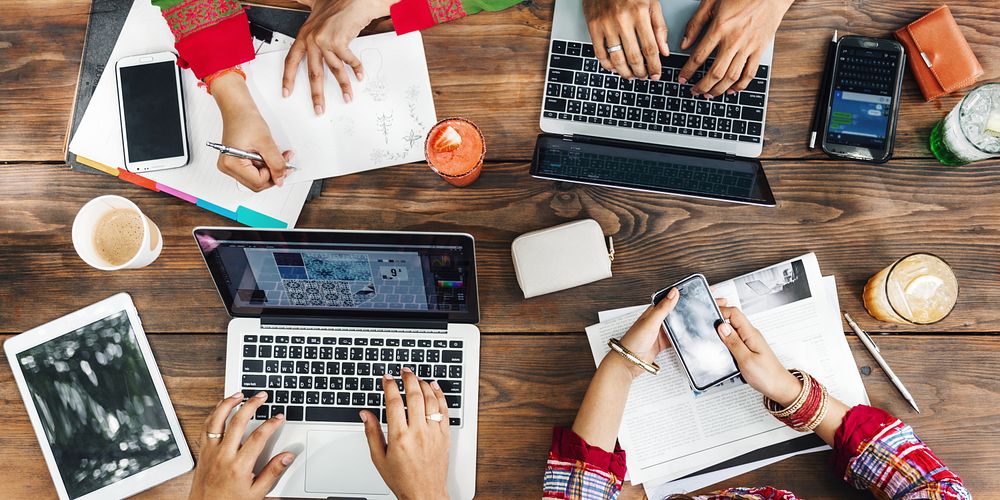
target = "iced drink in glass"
x: 971, y: 131
x: 455, y: 149
x: 918, y: 289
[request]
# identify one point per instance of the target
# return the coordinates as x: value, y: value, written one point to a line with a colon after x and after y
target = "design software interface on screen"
x: 346, y: 276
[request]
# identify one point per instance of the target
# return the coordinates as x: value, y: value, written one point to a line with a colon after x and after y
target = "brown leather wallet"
x: 940, y: 57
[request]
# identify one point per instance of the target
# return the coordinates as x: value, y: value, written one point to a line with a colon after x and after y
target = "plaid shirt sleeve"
x: 579, y: 471
x: 877, y: 452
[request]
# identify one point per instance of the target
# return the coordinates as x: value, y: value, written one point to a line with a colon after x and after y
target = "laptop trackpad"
x: 339, y: 463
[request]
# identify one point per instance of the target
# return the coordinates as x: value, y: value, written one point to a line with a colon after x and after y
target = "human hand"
x: 741, y: 31
x: 757, y: 362
x: 414, y: 464
x: 324, y: 38
x: 244, y: 128
x: 638, y: 26
x: 646, y: 337
x: 225, y: 468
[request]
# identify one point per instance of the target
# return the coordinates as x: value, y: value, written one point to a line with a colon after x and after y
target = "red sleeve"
x: 411, y: 15
x: 217, y: 47
x: 860, y: 425
x: 568, y: 446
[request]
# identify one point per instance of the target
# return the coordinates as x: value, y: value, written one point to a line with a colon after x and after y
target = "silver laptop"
x: 581, y: 98
x: 320, y: 316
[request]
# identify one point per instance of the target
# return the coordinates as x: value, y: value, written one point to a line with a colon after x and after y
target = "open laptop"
x: 320, y: 316
x: 693, y: 146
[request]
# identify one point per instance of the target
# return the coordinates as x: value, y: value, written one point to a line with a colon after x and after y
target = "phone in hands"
x: 691, y: 327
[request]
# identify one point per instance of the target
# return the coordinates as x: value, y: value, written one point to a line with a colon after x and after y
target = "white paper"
x: 671, y: 431
x: 384, y: 124
x: 98, y: 137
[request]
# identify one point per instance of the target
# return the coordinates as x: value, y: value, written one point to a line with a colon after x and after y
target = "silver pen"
x: 873, y: 349
x: 239, y: 153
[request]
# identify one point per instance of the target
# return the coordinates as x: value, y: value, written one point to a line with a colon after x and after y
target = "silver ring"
x: 614, y: 48
x: 212, y: 435
x: 435, y: 417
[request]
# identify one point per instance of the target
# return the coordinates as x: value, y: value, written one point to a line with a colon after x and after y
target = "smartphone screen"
x: 151, y: 110
x: 692, y: 329
x: 861, y: 107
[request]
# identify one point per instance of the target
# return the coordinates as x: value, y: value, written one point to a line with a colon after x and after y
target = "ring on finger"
x: 435, y: 417
x: 615, y: 48
x: 214, y: 435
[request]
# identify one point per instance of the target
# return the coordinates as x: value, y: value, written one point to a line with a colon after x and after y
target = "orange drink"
x: 918, y: 289
x: 455, y: 149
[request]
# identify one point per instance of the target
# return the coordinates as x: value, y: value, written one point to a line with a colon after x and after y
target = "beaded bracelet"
x: 207, y: 81
x: 807, y: 410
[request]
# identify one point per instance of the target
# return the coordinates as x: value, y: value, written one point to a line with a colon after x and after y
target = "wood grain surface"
x: 520, y: 386
x: 490, y: 68
x: 857, y: 218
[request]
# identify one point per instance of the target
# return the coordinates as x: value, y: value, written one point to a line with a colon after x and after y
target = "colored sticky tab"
x: 254, y: 218
x: 99, y: 166
x: 138, y: 180
x: 212, y: 207
x: 180, y: 194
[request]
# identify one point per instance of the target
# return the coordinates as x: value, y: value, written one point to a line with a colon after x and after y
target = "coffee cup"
x: 111, y: 233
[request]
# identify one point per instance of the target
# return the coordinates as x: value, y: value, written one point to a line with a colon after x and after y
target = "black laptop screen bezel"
x: 205, y: 235
x: 767, y: 196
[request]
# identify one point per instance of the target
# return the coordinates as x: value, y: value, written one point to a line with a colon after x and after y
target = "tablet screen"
x: 97, y: 404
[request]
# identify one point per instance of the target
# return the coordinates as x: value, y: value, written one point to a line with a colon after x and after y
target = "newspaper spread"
x: 671, y: 431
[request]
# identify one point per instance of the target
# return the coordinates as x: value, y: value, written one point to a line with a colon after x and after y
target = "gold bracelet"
x: 617, y: 346
x: 776, y: 409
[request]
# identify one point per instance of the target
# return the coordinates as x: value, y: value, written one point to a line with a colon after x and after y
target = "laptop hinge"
x: 387, y: 323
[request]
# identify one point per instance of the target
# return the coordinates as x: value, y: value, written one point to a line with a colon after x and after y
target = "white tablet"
x: 98, y: 405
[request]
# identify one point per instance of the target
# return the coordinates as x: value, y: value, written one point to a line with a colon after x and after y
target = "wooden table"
x: 535, y: 361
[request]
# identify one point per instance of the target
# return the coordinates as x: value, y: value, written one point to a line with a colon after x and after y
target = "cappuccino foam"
x: 118, y: 236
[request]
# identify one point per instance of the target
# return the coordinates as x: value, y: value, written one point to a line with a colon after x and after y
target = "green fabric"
x: 166, y: 4
x: 475, y: 6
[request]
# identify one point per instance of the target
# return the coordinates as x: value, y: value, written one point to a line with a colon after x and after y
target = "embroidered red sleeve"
x: 415, y: 15
x: 211, y: 35
x: 860, y: 425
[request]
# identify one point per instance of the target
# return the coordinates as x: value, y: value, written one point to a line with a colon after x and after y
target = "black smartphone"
x: 692, y: 330
x: 862, y: 103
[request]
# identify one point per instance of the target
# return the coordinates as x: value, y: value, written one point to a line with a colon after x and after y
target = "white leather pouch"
x: 561, y: 257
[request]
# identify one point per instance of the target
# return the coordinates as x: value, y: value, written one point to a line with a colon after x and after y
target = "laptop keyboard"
x: 579, y: 89
x: 330, y: 379
x: 648, y: 174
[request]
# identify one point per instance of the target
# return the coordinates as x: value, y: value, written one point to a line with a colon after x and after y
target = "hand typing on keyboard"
x: 225, y: 466
x: 414, y: 464
x: 628, y: 35
x: 739, y: 32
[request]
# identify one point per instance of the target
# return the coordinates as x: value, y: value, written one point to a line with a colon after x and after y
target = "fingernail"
x: 673, y: 293
x: 707, y: 96
x: 434, y: 384
x: 655, y: 77
x: 280, y: 181
x: 347, y: 97
x: 364, y: 416
x: 387, y: 376
x: 682, y: 80
x: 287, y: 459
x: 237, y: 395
x: 726, y: 329
x: 291, y: 154
x: 407, y: 369
x: 684, y: 42
x: 285, y: 92
x: 360, y: 75
x: 731, y: 91
x: 318, y: 109
x: 260, y: 395
x: 280, y: 416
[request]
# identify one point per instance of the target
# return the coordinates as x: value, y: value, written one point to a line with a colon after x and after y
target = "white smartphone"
x: 151, y: 108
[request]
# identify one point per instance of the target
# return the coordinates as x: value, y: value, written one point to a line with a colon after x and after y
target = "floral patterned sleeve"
x: 579, y: 471
x: 210, y: 35
x: 415, y: 15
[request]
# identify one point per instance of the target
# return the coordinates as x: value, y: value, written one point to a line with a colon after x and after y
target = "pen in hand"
x: 239, y: 153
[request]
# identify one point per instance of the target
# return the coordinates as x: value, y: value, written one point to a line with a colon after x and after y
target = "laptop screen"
x: 343, y: 273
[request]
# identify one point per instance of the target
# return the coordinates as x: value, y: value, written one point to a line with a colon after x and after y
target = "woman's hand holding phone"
x: 646, y: 338
x: 757, y: 362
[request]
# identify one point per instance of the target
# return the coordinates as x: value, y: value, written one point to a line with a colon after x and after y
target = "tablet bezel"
x: 132, y: 484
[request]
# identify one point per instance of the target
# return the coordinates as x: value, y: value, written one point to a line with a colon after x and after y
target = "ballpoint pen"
x: 873, y: 349
x: 824, y: 85
x: 239, y: 153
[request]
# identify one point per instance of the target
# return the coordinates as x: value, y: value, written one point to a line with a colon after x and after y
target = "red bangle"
x: 808, y: 409
x: 207, y: 81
